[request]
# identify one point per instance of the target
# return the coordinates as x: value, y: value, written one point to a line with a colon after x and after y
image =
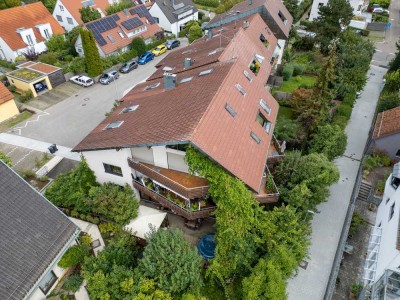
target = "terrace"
x: 269, y: 192
x: 276, y: 151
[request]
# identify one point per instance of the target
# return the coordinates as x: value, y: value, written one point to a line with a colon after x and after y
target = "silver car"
x: 108, y: 77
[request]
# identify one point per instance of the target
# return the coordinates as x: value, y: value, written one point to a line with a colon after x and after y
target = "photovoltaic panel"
x: 142, y: 12
x: 102, y: 25
x: 132, y: 23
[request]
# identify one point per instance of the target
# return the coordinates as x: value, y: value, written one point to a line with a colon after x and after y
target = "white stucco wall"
x: 6, y: 52
x: 389, y: 256
x: 355, y: 4
x: 160, y: 156
x: 64, y: 15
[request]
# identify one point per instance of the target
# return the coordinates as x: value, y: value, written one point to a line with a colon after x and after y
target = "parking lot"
x: 22, y: 158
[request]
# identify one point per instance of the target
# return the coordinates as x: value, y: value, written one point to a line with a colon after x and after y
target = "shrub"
x: 43, y: 178
x: 356, y: 222
x: 119, y: 6
x: 138, y: 45
x: 74, y: 213
x: 287, y: 72
x: 12, y: 88
x: 74, y: 256
x: 380, y: 186
x: 76, y: 66
x: 7, y: 64
x: 48, y: 58
x: 209, y: 3
x: 340, y: 120
x: 330, y: 140
x: 388, y: 102
x: 344, y: 110
x: 85, y: 239
x: 25, y: 174
x: 298, y: 69
x: 27, y: 95
x: 68, y: 57
x: 73, y: 283
x: 155, y: 44
x: 195, y: 32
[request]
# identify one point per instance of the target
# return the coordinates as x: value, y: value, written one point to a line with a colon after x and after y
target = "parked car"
x: 379, y: 10
x: 171, y: 44
x: 39, y: 87
x: 145, y: 58
x: 108, y: 77
x: 128, y: 66
x: 160, y: 49
x: 82, y: 80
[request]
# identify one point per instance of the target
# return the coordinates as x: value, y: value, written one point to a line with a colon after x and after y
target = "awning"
x: 147, y: 218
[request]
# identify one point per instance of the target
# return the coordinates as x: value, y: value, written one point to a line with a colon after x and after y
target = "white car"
x: 379, y: 10
x: 82, y: 80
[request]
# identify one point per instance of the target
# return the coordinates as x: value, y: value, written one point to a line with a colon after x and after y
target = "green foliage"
x: 298, y: 69
x: 48, y: 58
x: 5, y: 159
x: 356, y: 222
x: 376, y: 160
x: 56, y: 43
x: 114, y: 203
x: 26, y: 96
x: 12, y: 88
x: 287, y: 72
x: 330, y: 140
x: 171, y: 261
x: 92, y: 57
x: 138, y: 45
x: 72, y: 283
x: 26, y: 174
x: 395, y: 63
x: 118, y: 6
x: 195, y: 32
x: 382, y: 3
x: 392, y: 81
x: 388, y: 102
x: 185, y: 31
x: 209, y: 3
x: 7, y: 64
x: 148, y: 290
x: 287, y: 129
x: 155, y: 43
x: 71, y: 37
x: 74, y: 256
x: 9, y: 3
x: 89, y: 14
x: 76, y: 66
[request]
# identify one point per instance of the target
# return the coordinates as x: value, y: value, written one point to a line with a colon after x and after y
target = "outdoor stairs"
x: 365, y: 192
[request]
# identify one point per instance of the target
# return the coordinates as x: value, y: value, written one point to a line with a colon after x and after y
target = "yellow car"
x: 160, y: 49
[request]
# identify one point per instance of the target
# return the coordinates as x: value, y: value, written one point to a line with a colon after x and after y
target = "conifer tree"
x: 92, y: 57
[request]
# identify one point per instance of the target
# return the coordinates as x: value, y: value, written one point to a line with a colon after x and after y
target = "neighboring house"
x: 114, y: 33
x: 211, y: 95
x: 31, y: 73
x: 24, y: 27
x: 34, y: 236
x: 67, y: 14
x: 386, y: 135
x: 172, y: 15
x: 357, y: 6
x: 382, y: 267
x: 8, y: 108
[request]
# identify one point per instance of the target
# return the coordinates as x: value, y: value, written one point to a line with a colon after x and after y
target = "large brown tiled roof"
x: 73, y: 7
x: 5, y: 94
x: 387, y: 123
x: 25, y: 17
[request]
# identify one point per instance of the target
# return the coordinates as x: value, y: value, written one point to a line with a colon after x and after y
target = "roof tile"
x: 387, y: 123
x: 5, y: 94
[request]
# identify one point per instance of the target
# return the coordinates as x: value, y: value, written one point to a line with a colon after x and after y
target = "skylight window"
x: 187, y: 79
x: 230, y: 110
x: 247, y: 75
x: 187, y: 51
x: 152, y: 86
x: 212, y: 52
x: 255, y: 137
x: 129, y: 108
x: 121, y: 34
x: 205, y: 72
x: 265, y: 106
x: 166, y: 68
x: 111, y: 38
x: 114, y: 125
x: 263, y: 122
x: 240, y: 89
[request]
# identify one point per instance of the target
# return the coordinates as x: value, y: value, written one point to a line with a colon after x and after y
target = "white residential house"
x: 24, y: 27
x: 173, y: 15
x: 382, y: 268
x: 355, y: 4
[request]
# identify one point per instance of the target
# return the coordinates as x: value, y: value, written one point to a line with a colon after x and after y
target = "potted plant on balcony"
x: 355, y: 290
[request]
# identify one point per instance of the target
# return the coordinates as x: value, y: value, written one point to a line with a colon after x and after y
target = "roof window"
x: 129, y: 108
x: 187, y: 79
x: 166, y: 68
x: 230, y: 110
x: 114, y: 125
x: 265, y: 106
x: 111, y: 38
x: 247, y: 75
x: 255, y: 137
x: 263, y: 122
x: 152, y: 86
x: 212, y: 52
x: 121, y: 34
x: 205, y: 72
x: 240, y: 89
x: 187, y: 51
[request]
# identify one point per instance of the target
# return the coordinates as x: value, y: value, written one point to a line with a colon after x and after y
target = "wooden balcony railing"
x: 267, y: 194
x: 175, y: 208
x: 188, y: 192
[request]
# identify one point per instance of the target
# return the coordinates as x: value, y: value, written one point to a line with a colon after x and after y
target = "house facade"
x: 8, y: 108
x: 173, y: 15
x: 121, y: 28
x: 24, y: 28
x: 382, y: 269
x: 34, y: 235
x: 210, y: 95
x: 386, y: 135
x: 357, y: 6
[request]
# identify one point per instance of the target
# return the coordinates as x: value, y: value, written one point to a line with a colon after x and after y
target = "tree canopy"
x: 330, y: 140
x: 56, y: 43
x: 138, y: 45
x: 93, y: 62
x: 89, y: 14
x: 118, y: 6
x: 9, y: 3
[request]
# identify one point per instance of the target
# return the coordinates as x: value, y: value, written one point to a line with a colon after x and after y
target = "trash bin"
x: 53, y: 148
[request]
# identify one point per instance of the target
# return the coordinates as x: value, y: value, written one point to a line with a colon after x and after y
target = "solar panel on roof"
x: 142, y: 11
x: 132, y: 23
x: 102, y: 25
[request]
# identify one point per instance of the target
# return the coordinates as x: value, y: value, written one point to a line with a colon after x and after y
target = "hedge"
x: 7, y: 64
x: 287, y: 72
x: 209, y: 3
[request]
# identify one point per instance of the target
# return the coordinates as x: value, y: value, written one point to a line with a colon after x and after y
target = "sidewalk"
x: 24, y: 142
x: 311, y: 283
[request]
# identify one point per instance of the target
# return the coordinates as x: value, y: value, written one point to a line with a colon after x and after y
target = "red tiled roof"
x: 73, y: 7
x: 25, y: 17
x: 5, y: 94
x: 44, y: 68
x: 387, y: 123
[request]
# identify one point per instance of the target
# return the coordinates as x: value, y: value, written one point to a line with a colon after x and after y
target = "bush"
x: 7, y: 64
x: 155, y: 44
x: 388, y: 102
x: 68, y: 57
x: 73, y: 283
x: 48, y: 58
x: 138, y: 45
x: 128, y: 55
x: 74, y: 256
x: 356, y: 222
x: 287, y: 72
x: 77, y: 66
x: 344, y: 110
x: 25, y: 174
x: 298, y: 69
x: 85, y: 239
x: 195, y: 32
x: 12, y: 88
x: 74, y: 214
x: 209, y: 3
x: 340, y: 120
x: 43, y: 178
x: 27, y: 95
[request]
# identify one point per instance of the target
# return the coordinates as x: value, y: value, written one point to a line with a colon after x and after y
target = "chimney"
x: 249, y: 2
x: 187, y: 62
x: 169, y: 81
x: 245, y: 24
x: 210, y: 34
x: 126, y: 12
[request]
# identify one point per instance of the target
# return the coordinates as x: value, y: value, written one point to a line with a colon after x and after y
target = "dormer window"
x: 263, y: 122
x: 29, y: 39
x: 120, y: 34
x: 46, y: 33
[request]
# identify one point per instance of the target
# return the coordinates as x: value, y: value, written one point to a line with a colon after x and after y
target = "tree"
x: 330, y: 140
x: 56, y: 43
x: 71, y: 37
x: 292, y: 6
x: 392, y: 81
x: 5, y: 159
x: 89, y: 14
x: 50, y: 4
x: 332, y: 18
x: 148, y: 290
x: 9, y: 3
x: 195, y: 32
x: 74, y: 256
x: 116, y: 7
x: 138, y: 45
x: 93, y: 62
x: 171, y: 261
x: 114, y: 203
x: 287, y: 129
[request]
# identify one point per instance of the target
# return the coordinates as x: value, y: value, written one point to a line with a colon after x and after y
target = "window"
x: 29, y: 38
x: 152, y: 86
x: 265, y: 106
x: 205, y: 72
x: 230, y: 110
x: 263, y: 122
x: 120, y: 34
x: 395, y: 182
x: 212, y: 52
x: 59, y: 18
x: 247, y: 75
x: 47, y: 282
x: 110, y: 169
x: 255, y: 66
x: 240, y: 89
x: 187, y: 79
x: 129, y: 108
x: 179, y: 147
x: 61, y: 7
x: 70, y: 21
x: 282, y: 17
x: 264, y: 40
x: 391, y: 213
x: 46, y: 33
x: 255, y: 137
x: 111, y: 38
x: 114, y: 125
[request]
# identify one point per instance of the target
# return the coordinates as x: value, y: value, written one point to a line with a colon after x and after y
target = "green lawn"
x: 295, y: 82
x: 285, y: 112
x: 14, y: 121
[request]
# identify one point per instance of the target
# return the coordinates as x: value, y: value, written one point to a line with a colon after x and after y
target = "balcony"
x: 192, y: 213
x: 184, y: 184
x: 276, y: 151
x: 269, y: 192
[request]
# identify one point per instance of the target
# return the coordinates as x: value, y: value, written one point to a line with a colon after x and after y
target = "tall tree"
x: 9, y: 3
x: 93, y: 62
x: 138, y: 45
x: 330, y: 140
x: 89, y: 14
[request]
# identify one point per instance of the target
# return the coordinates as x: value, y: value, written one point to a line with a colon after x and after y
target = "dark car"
x: 145, y: 58
x: 171, y: 44
x: 39, y: 87
x: 128, y: 66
